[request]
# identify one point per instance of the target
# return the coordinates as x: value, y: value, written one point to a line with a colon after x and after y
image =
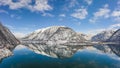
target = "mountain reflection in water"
x: 46, y: 56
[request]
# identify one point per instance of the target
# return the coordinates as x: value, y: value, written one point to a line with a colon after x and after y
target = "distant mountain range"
x: 86, y: 36
x: 61, y: 51
x: 102, y: 36
x: 62, y: 34
x: 66, y: 34
x: 108, y: 36
x: 57, y: 35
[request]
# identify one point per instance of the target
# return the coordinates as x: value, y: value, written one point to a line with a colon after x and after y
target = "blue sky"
x: 86, y: 16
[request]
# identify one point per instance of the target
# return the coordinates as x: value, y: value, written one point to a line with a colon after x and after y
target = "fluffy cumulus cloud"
x: 72, y: 3
x: 80, y: 13
x: 101, y: 13
x: 116, y: 15
x: 39, y: 5
x: 105, y: 12
x: 116, y: 12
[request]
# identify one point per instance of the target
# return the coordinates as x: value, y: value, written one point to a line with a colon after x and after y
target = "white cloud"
x: 11, y: 15
x: 72, y: 3
x: 80, y: 13
x: 3, y: 11
x: 19, y: 35
x: 62, y: 15
x: 101, y: 13
x: 15, y: 5
x: 47, y: 14
x: 104, y: 12
x: 39, y: 6
x: 116, y: 13
x: 89, y: 2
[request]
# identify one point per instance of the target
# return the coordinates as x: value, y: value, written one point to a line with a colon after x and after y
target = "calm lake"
x: 85, y: 58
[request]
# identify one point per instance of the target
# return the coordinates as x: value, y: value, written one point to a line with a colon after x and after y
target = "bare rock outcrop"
x: 7, y: 42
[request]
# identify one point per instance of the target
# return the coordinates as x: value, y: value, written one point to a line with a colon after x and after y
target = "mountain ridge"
x: 58, y: 34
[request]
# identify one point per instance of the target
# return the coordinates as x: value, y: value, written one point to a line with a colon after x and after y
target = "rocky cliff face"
x: 55, y: 35
x: 116, y: 39
x: 7, y: 42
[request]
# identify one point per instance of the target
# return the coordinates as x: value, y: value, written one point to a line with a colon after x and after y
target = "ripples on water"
x: 86, y: 58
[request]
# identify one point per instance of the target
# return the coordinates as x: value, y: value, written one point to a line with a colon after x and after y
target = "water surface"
x: 25, y: 58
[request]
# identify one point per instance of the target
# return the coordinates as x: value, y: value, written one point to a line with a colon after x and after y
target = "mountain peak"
x: 56, y: 34
x: 53, y: 27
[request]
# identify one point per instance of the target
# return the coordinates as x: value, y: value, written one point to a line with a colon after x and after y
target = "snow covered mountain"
x: 55, y: 34
x: 109, y: 36
x: 115, y: 36
x: 103, y: 36
x: 86, y: 36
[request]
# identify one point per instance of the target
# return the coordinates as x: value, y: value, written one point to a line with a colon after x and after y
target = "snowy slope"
x: 103, y: 36
x: 116, y: 39
x: 86, y: 36
x: 57, y: 34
